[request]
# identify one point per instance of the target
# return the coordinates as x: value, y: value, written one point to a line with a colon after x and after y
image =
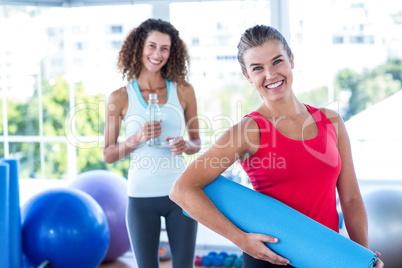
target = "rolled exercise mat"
x: 4, y: 216
x: 15, y: 214
x: 305, y: 242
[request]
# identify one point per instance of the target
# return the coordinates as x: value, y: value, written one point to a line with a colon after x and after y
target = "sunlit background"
x: 58, y: 65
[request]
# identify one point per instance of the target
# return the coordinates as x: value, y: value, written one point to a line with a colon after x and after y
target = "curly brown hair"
x: 130, y: 64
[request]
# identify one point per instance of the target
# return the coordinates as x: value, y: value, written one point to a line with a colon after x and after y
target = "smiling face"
x: 269, y: 68
x: 156, y: 51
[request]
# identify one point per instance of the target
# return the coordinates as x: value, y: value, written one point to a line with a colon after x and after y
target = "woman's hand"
x: 149, y: 130
x: 177, y: 145
x: 379, y: 263
x: 253, y: 245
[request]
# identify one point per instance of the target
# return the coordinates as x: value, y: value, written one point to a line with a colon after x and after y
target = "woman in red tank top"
x: 276, y: 144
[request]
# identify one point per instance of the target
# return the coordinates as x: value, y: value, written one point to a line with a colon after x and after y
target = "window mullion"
x: 41, y: 144
x: 4, y: 94
x: 71, y: 148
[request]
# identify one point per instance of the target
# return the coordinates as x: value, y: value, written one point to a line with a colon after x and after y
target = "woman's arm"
x: 189, y: 104
x: 115, y: 111
x: 350, y: 198
x: 187, y: 191
x: 349, y: 193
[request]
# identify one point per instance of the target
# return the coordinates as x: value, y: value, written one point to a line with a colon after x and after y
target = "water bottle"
x: 153, y: 113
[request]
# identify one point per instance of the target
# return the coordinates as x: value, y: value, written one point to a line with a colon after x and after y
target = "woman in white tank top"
x: 154, y: 60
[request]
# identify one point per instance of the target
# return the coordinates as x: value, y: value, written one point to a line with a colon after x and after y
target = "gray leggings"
x: 144, y: 226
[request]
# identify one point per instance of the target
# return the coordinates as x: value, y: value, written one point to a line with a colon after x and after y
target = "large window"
x: 349, y: 56
x: 57, y: 66
x: 212, y: 31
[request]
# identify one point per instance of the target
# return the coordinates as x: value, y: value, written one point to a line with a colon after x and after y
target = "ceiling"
x: 78, y: 3
x: 69, y: 3
x: 279, y: 8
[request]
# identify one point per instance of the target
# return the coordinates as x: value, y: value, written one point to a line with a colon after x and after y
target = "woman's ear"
x: 247, y: 77
x: 292, y: 64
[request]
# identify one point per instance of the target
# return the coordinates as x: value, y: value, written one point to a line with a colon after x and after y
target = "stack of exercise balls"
x: 80, y: 225
x: 109, y: 190
x: 222, y: 259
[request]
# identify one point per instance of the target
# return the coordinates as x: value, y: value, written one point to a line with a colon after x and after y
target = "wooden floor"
x: 122, y: 264
x: 127, y: 260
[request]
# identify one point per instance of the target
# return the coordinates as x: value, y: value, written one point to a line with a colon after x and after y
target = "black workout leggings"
x: 144, y: 226
x: 250, y: 262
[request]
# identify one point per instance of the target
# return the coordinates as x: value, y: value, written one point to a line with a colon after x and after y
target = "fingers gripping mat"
x: 305, y: 242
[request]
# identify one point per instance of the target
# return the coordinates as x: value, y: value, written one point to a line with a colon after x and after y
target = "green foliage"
x: 28, y: 155
x: 1, y: 149
x: 370, y: 91
x: 89, y: 116
x: 238, y: 100
x: 348, y: 80
x: 368, y: 88
x: 23, y: 117
x: 56, y: 104
x: 316, y: 97
x: 55, y: 160
x: 90, y: 121
x: 392, y: 67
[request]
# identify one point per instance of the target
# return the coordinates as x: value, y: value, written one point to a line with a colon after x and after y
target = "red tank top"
x: 300, y: 173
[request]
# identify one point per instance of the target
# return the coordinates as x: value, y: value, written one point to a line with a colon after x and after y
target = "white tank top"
x: 153, y: 170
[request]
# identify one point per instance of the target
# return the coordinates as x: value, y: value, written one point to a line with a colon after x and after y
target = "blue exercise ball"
x: 66, y: 227
x: 384, y: 212
x: 110, y: 191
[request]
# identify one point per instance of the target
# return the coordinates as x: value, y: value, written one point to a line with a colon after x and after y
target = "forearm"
x: 199, y: 207
x: 193, y: 146
x: 356, y: 221
x: 119, y: 151
x: 188, y: 193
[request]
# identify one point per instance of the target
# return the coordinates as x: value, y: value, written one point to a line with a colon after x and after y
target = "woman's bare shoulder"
x: 119, y: 94
x: 118, y: 101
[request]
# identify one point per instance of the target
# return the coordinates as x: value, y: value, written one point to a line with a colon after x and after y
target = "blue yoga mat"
x: 4, y: 216
x: 14, y: 214
x: 305, y: 242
